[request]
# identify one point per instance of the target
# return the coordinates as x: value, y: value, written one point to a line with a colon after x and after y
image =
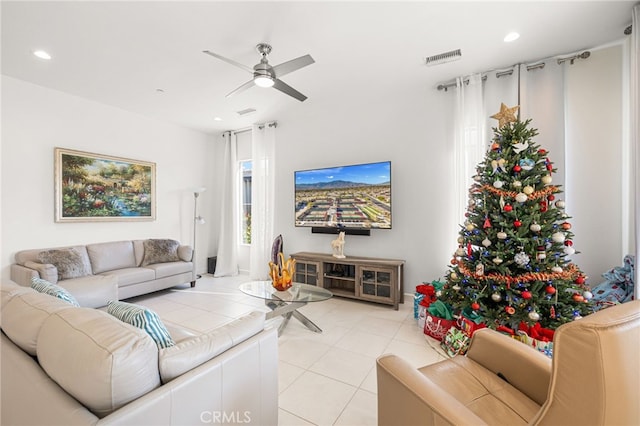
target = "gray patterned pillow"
x: 160, y: 251
x: 69, y: 262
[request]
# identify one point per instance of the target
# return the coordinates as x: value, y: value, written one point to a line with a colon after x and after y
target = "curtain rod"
x: 248, y: 129
x: 537, y: 64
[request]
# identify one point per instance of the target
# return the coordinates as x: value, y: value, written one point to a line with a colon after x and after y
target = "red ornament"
x: 454, y: 261
x: 517, y: 223
x: 526, y: 294
x: 517, y: 168
x: 580, y: 280
x: 542, y: 151
x: 487, y: 223
x: 507, y: 208
x: 495, y: 146
x: 543, y: 206
x: 475, y: 306
x: 550, y: 289
x: 469, y: 251
x: 568, y: 243
x: 551, y: 197
x: 510, y: 310
x: 566, y: 226
x: 552, y: 312
x: 578, y: 297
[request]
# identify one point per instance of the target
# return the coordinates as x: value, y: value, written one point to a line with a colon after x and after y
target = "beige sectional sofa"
x: 97, y: 273
x: 82, y: 366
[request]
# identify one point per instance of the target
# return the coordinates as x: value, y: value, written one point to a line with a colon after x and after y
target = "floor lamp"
x: 197, y: 220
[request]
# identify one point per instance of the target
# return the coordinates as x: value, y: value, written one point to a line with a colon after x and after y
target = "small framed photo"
x: 94, y: 187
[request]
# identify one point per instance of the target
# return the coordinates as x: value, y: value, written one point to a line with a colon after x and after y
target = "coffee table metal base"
x: 287, y: 310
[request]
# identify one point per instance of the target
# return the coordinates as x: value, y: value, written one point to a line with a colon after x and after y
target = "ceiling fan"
x: 265, y: 75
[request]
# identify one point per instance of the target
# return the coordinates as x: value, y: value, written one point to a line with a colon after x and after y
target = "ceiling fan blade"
x: 242, y: 88
x: 285, y: 88
x: 292, y: 65
x: 229, y: 61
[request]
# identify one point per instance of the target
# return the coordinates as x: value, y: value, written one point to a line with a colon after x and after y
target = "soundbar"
x: 334, y: 230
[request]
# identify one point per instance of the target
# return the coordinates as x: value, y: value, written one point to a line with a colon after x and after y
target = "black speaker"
x: 211, y: 264
x: 333, y: 230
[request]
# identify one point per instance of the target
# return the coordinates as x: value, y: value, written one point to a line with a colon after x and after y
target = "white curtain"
x: 469, y: 134
x: 262, y: 199
x: 542, y: 100
x: 635, y: 127
x: 227, y: 262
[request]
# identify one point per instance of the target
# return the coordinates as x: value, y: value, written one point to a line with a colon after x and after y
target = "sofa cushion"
x: 110, y: 256
x: 158, y: 251
x: 487, y: 395
x: 170, y: 268
x: 44, y: 286
x: 100, y: 361
x: 92, y: 291
x: 143, y: 318
x: 24, y: 314
x: 71, y: 262
x: 194, y: 351
x: 128, y: 276
x: 9, y: 290
x: 185, y: 253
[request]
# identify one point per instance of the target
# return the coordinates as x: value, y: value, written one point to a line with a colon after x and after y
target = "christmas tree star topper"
x: 506, y: 115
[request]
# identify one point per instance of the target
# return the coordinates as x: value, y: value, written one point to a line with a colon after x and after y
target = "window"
x: 245, y: 200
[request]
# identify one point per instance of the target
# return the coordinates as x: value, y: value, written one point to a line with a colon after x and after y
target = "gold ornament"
x: 506, y: 115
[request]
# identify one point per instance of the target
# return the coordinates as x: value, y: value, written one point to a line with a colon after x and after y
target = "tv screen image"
x: 352, y: 197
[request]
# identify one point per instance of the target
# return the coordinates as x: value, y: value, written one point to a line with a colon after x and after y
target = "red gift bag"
x: 437, y: 327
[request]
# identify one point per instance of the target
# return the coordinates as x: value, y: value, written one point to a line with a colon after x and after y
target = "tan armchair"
x: 594, y: 379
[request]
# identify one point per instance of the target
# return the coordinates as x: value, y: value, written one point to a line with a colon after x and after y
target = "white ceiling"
x: 119, y: 53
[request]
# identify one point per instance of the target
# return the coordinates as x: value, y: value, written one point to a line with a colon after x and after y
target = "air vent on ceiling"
x: 246, y: 111
x: 441, y: 58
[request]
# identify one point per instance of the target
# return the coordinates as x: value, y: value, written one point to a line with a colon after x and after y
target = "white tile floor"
x: 326, y: 378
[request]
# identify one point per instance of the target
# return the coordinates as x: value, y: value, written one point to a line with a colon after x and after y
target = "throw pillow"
x: 44, y: 286
x: 160, y: 251
x: 143, y: 318
x: 69, y: 262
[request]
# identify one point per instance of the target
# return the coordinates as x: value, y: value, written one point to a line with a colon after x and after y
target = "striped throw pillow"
x: 44, y: 286
x: 143, y: 318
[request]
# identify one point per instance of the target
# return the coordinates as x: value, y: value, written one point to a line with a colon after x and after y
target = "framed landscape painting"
x: 94, y: 187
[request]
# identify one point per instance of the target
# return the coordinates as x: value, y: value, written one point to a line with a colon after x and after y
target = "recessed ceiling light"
x: 511, y: 37
x: 217, y: 119
x: 42, y: 54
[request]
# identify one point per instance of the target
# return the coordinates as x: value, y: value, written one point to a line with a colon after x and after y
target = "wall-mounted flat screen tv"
x: 345, y: 197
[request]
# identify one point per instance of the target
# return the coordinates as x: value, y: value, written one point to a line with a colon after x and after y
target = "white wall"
x: 405, y: 128
x: 36, y: 119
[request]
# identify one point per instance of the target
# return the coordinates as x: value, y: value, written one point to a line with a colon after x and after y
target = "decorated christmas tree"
x: 512, y: 264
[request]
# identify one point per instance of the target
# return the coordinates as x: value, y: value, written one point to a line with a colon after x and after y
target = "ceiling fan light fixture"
x: 512, y: 36
x: 42, y: 54
x: 263, y: 81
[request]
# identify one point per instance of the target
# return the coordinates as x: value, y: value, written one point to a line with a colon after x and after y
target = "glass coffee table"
x: 287, y: 303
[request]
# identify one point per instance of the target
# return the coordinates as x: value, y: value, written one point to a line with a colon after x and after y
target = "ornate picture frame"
x: 95, y: 188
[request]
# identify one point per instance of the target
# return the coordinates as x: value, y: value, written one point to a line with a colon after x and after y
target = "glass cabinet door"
x: 375, y: 284
x: 306, y: 272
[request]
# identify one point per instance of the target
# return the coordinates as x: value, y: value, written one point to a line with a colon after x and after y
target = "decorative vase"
x: 281, y: 273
